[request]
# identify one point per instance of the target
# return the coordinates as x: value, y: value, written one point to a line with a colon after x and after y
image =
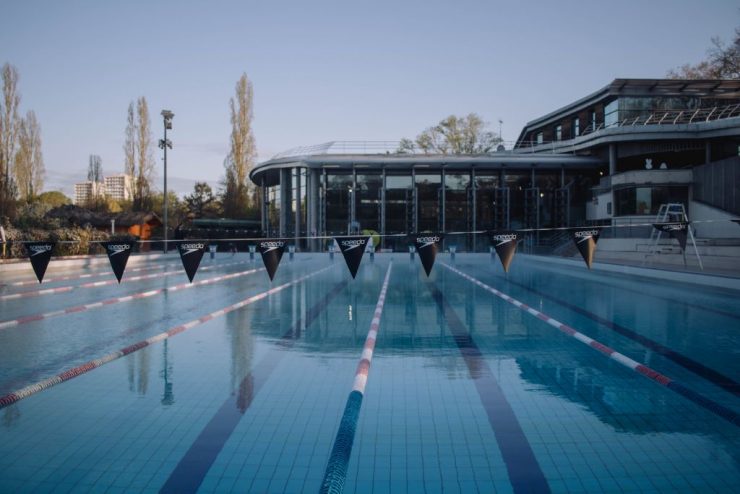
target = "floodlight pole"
x: 164, y: 144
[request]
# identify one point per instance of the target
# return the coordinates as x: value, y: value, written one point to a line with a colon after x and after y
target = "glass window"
x: 558, y: 132
x: 428, y: 191
x: 485, y: 200
x: 338, y: 194
x: 367, y: 201
x: 593, y: 120
x: 576, y: 127
x: 458, y: 208
x: 540, y: 138
x: 611, y: 114
x: 647, y: 200
x: 398, y: 204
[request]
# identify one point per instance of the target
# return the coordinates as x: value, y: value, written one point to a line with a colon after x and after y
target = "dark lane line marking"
x: 524, y: 471
x: 189, y: 473
x: 335, y: 474
x: 716, y: 408
x: 725, y: 382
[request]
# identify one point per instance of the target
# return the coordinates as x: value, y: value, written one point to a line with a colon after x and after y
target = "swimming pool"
x: 551, y: 378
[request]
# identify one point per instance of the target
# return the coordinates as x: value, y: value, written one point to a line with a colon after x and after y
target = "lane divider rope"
x: 31, y: 389
x: 663, y: 380
x: 88, y: 275
x: 103, y: 303
x: 95, y: 284
x: 336, y: 469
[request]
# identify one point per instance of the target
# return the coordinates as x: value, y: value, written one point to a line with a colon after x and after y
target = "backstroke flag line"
x: 426, y: 246
x: 118, y: 253
x: 272, y: 252
x: 191, y: 253
x: 505, y: 244
x: 352, y: 249
x: 677, y: 230
x: 585, y: 240
x: 40, y: 253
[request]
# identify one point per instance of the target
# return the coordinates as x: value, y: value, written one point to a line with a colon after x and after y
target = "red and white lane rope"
x: 94, y: 305
x: 609, y: 352
x: 95, y: 284
x: 97, y: 274
x: 31, y: 389
x: 363, y: 367
x: 707, y: 403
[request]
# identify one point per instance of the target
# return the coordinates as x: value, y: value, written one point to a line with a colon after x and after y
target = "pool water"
x: 466, y: 392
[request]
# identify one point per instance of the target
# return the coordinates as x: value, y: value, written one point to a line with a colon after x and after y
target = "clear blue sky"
x: 324, y: 71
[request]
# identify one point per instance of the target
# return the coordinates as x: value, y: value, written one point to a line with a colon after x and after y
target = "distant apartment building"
x: 87, y: 191
x: 117, y: 187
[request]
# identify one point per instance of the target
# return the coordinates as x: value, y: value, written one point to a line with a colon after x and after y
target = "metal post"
x: 164, y: 144
x: 165, y: 186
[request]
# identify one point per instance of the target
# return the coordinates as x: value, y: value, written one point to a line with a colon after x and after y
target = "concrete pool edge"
x: 713, y: 280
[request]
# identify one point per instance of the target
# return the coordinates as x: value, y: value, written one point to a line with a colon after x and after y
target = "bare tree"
x: 243, y: 153
x: 455, y: 135
x: 129, y: 150
x: 144, y: 155
x: 95, y: 168
x: 8, y: 135
x: 722, y: 62
x: 29, y: 161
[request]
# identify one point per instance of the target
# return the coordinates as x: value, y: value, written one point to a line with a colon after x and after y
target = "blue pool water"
x: 466, y: 392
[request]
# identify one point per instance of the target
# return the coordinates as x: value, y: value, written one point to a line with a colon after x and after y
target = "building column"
x: 382, y: 206
x: 474, y: 203
x: 442, y: 196
x: 298, y: 215
x: 612, y: 159
x: 264, y: 206
x: 313, y: 205
x: 707, y: 152
x: 284, y: 200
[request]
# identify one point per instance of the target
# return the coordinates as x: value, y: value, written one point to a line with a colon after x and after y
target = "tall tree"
x: 95, y: 168
x: 144, y: 156
x: 722, y: 62
x: 242, y: 153
x: 9, y: 124
x: 29, y: 161
x: 129, y: 150
x: 455, y: 135
x: 201, y: 202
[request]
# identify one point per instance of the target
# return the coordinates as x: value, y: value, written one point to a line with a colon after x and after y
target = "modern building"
x: 611, y: 157
x: 119, y: 187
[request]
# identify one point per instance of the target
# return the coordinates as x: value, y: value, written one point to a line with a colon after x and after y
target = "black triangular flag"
x: 118, y: 252
x: 191, y: 253
x: 677, y: 230
x: 426, y: 246
x: 585, y: 240
x: 39, y: 253
x: 272, y: 252
x: 352, y: 249
x: 505, y: 244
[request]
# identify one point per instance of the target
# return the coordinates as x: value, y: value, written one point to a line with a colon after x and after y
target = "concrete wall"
x: 722, y: 228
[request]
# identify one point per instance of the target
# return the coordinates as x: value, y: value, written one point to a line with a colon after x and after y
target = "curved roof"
x: 390, y: 162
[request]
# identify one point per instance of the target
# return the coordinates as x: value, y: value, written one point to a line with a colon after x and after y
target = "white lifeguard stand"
x: 666, y: 214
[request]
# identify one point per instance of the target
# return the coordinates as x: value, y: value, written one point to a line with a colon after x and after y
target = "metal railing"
x: 364, y: 147
x: 656, y: 117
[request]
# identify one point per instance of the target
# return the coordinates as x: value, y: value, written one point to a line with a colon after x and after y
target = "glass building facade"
x: 360, y: 194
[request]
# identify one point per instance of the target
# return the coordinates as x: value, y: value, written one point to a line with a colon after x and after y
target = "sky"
x: 324, y: 71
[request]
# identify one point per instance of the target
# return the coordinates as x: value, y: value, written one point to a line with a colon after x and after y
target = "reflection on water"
x: 168, y: 396
x: 137, y: 366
